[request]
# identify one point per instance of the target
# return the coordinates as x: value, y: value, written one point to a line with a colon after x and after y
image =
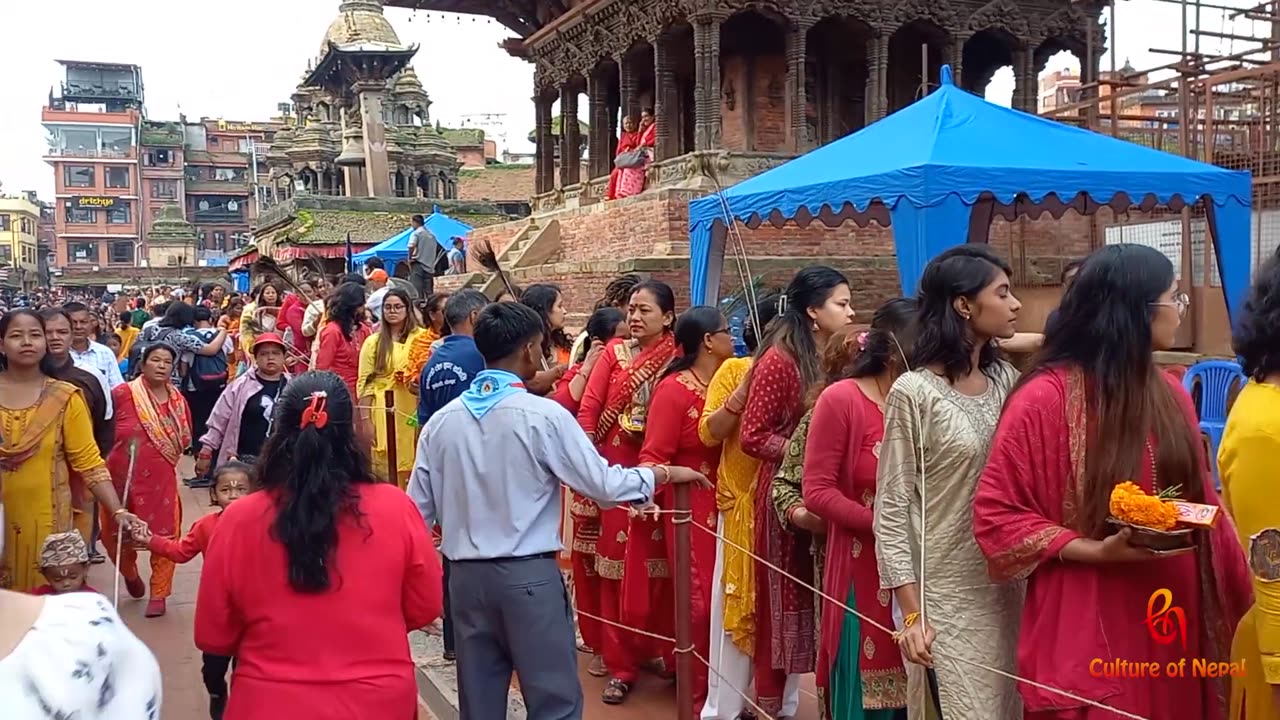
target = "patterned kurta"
x: 975, y: 618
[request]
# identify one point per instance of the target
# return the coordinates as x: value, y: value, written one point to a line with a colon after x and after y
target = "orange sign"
x: 1166, y: 622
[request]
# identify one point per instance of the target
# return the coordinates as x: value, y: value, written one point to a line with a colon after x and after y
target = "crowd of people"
x: 915, y: 509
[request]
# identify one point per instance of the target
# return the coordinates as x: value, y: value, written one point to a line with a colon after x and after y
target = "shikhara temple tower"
x: 362, y: 125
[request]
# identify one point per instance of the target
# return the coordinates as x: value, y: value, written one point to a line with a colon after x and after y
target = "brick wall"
x: 757, y: 118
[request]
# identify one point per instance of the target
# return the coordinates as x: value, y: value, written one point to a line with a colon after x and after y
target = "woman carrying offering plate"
x: 1096, y: 413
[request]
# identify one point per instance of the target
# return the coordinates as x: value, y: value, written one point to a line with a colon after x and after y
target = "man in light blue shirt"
x: 489, y: 469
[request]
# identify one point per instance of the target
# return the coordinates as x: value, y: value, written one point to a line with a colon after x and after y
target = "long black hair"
x: 178, y: 316
x: 46, y: 363
x: 1257, y: 335
x: 386, y: 339
x: 889, y: 341
x: 945, y: 339
x: 1103, y: 328
x: 344, y: 306
x: 314, y: 470
x: 692, y: 326
x: 541, y: 298
x: 766, y: 311
x: 792, y: 331
x: 603, y: 326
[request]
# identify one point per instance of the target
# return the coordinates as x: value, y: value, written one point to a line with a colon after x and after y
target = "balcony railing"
x: 218, y: 187
x: 104, y: 153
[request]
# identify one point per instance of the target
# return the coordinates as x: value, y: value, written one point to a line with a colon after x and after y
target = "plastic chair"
x: 1217, y: 378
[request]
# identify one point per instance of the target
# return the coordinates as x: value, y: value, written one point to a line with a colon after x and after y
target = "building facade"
x: 93, y: 129
x: 19, y: 242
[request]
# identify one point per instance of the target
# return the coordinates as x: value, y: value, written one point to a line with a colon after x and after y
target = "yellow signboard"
x: 93, y: 201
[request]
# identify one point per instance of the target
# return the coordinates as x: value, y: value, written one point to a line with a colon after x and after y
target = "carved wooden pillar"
x: 629, y: 98
x: 956, y: 52
x: 706, y: 59
x: 598, y: 145
x: 798, y: 125
x: 878, y: 76
x: 1025, y: 92
x: 665, y: 105
x: 544, y: 180
x: 570, y: 136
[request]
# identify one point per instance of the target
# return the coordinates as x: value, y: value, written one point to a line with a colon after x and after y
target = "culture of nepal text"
x: 1196, y: 668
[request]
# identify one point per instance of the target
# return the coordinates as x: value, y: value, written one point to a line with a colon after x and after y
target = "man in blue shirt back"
x: 457, y: 361
x: 447, y: 375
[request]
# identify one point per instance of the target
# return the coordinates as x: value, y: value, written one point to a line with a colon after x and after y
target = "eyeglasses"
x: 721, y: 331
x: 1180, y: 302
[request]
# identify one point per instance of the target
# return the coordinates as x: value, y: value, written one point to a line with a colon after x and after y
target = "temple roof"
x: 361, y: 23
x: 522, y: 16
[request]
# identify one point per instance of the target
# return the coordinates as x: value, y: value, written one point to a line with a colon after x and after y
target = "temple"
x: 738, y: 87
x: 359, y: 154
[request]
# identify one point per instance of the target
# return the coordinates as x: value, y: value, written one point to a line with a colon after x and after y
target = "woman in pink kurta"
x: 1095, y: 412
x: 631, y: 180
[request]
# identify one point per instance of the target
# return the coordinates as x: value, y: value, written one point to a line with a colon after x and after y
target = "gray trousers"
x: 514, y: 615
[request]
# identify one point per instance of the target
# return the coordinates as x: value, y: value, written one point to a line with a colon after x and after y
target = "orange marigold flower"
x: 1130, y: 503
x: 420, y: 352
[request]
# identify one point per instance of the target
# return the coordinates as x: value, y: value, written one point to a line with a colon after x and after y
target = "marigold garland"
x: 1130, y: 503
x: 420, y: 353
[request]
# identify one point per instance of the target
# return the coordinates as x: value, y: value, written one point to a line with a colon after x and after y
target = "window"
x: 82, y: 252
x: 78, y: 176
x: 159, y: 158
x: 79, y: 142
x: 164, y: 189
x: 4, y: 223
x: 219, y: 240
x: 227, y: 174
x: 119, y: 215
x: 81, y: 216
x: 116, y: 142
x: 6, y: 254
x: 213, y: 143
x: 245, y: 145
x: 117, y: 177
x: 122, y: 252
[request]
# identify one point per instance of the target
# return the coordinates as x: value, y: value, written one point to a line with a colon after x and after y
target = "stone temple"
x: 739, y: 87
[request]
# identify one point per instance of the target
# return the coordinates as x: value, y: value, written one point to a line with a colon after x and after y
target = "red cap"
x: 268, y: 338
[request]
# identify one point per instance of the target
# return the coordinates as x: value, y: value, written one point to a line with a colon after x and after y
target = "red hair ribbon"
x: 315, y: 413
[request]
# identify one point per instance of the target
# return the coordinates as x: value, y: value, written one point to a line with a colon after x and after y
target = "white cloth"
x: 80, y: 661
x: 100, y: 361
x: 724, y: 701
x: 374, y: 303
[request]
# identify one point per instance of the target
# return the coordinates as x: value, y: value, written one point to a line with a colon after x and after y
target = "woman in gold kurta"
x: 384, y: 365
x: 1247, y: 467
x: 45, y: 434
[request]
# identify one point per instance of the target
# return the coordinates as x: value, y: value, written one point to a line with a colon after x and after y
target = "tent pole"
x: 924, y: 70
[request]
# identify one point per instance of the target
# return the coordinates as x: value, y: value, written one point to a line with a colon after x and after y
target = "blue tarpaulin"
x: 951, y: 158
x: 396, y: 248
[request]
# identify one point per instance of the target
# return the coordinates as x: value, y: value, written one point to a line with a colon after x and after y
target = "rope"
x: 892, y: 632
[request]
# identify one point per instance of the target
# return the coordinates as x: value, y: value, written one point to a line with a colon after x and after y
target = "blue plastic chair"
x: 1216, y: 378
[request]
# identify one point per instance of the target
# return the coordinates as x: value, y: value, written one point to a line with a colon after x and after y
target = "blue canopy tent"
x: 396, y: 248
x: 937, y: 171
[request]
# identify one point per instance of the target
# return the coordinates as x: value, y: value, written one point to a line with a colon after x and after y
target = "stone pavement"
x: 170, y: 637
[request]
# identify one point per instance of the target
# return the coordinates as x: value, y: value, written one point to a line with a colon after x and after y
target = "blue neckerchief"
x: 488, y: 389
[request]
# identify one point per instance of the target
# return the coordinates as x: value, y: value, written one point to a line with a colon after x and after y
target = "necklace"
x: 693, y: 373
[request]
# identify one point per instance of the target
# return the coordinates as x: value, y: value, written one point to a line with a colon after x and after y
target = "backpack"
x: 146, y: 340
x: 208, y: 372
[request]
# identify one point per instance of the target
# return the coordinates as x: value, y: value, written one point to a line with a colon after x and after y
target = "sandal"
x: 615, y: 691
x: 597, y: 667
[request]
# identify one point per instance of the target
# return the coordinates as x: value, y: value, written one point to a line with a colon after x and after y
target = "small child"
x: 231, y: 481
x: 64, y: 562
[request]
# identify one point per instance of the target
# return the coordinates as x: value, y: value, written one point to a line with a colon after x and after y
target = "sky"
x: 237, y: 59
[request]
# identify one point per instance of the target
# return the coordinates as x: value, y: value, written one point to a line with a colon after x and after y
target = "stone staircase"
x: 535, y: 244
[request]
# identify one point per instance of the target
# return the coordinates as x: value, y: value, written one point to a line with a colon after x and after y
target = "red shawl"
x: 638, y: 370
x: 1024, y: 512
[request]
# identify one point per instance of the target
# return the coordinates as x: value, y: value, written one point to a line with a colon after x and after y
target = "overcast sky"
x: 237, y: 59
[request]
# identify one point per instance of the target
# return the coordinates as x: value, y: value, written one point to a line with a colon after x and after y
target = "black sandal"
x: 615, y: 692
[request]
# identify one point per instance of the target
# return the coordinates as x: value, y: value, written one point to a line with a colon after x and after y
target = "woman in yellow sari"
x: 384, y: 365
x: 45, y: 435
x: 1247, y: 465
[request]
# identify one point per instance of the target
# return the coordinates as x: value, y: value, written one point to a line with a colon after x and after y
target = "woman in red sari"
x: 629, y: 140
x: 153, y: 429
x: 1094, y: 412
x: 859, y: 668
x: 631, y: 180
x: 604, y: 328
x: 343, y: 335
x: 630, y: 560
x: 816, y: 303
x: 702, y: 334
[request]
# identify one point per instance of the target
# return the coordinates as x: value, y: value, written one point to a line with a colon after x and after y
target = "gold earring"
x: 815, y: 326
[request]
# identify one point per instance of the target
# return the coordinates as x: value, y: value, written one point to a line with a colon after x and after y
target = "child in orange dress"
x: 231, y: 480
